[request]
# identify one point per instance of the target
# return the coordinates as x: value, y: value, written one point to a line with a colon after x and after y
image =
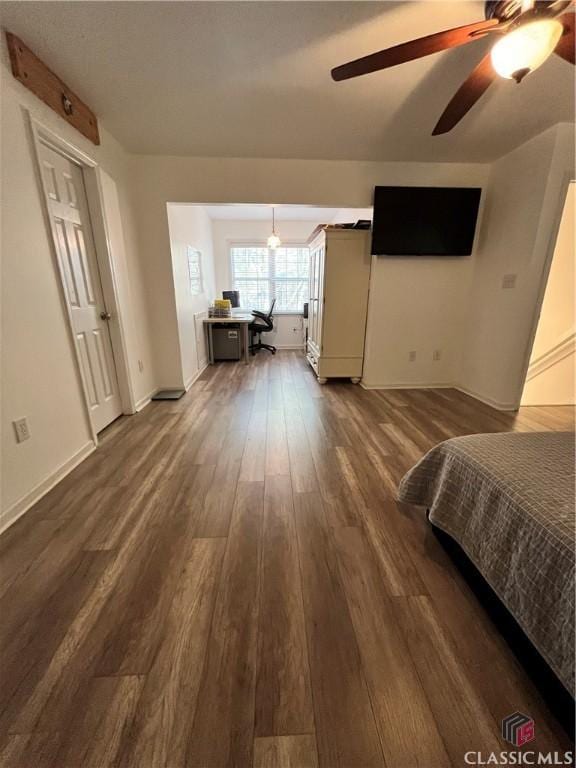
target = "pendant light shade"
x: 274, y: 241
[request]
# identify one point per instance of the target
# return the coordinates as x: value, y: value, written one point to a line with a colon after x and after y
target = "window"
x: 262, y: 274
x: 195, y: 271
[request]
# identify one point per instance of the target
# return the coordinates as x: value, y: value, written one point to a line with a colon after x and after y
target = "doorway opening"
x: 550, y: 379
x: 222, y: 248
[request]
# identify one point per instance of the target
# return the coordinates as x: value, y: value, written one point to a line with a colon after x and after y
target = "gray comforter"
x: 508, y: 500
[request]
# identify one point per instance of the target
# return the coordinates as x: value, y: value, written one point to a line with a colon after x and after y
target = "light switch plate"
x: 21, y: 430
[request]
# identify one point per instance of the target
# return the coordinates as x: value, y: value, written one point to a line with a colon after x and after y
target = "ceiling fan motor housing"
x: 503, y: 10
x: 506, y: 10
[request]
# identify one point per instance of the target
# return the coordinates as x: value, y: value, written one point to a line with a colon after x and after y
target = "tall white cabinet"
x: 339, y: 284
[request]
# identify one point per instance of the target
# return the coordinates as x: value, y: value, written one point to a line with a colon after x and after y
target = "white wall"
x: 39, y: 376
x: 524, y: 202
x: 416, y: 305
x: 189, y: 225
x: 337, y: 184
x: 347, y: 215
x: 554, y: 381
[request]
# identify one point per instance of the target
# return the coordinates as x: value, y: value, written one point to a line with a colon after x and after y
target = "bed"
x: 508, y: 502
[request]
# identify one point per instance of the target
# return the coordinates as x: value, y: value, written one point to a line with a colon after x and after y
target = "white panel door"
x: 68, y: 208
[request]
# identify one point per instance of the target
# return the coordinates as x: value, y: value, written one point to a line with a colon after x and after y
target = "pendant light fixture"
x: 274, y: 241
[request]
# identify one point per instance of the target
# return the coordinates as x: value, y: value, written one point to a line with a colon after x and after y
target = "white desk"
x: 241, y: 320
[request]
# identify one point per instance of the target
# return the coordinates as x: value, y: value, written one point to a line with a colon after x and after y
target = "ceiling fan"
x: 525, y: 34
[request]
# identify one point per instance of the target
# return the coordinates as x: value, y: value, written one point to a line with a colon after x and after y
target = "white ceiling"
x: 242, y: 212
x: 252, y: 79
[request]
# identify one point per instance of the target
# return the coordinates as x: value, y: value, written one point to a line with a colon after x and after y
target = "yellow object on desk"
x: 223, y: 303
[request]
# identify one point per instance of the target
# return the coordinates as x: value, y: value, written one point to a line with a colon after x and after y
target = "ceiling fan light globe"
x: 526, y: 48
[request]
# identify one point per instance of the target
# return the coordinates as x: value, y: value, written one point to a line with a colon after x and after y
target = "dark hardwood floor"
x: 228, y: 581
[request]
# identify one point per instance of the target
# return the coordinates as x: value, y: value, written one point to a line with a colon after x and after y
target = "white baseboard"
x: 409, y: 385
x: 143, y: 402
x: 17, y: 509
x: 290, y: 346
x: 563, y: 404
x: 496, y: 404
x: 196, y: 376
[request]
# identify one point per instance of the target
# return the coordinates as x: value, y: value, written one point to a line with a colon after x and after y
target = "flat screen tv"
x: 424, y: 221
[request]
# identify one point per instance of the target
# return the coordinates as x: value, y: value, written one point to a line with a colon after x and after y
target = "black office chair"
x: 262, y: 324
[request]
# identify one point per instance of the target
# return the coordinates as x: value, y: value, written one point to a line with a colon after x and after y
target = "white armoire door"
x: 68, y: 209
x: 315, y: 307
x: 311, y: 302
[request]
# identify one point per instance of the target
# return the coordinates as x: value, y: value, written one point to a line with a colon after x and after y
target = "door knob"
x: 105, y: 315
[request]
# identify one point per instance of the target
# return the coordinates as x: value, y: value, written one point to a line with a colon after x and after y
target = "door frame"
x: 567, y: 178
x: 42, y: 135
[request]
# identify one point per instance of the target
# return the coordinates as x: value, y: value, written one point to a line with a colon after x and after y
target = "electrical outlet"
x: 140, y: 366
x: 437, y: 354
x: 21, y: 430
x: 509, y: 281
x: 412, y: 355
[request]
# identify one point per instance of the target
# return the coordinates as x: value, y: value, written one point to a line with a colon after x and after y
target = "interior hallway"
x: 228, y: 581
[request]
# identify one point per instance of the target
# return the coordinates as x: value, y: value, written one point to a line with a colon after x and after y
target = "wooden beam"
x: 35, y: 75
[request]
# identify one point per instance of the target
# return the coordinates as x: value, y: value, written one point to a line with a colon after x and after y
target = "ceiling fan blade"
x: 466, y: 96
x: 567, y: 43
x: 414, y: 49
